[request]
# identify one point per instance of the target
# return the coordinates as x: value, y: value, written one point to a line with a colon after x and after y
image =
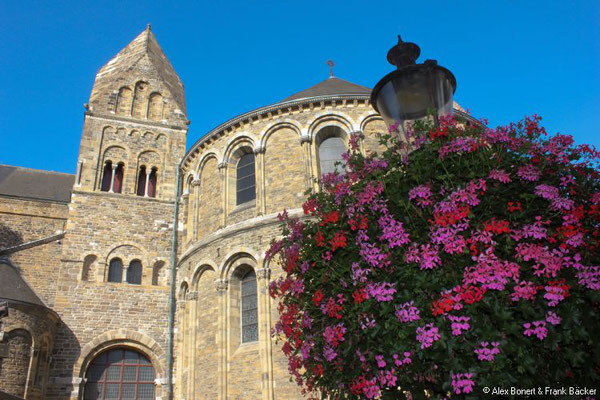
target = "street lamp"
x: 413, y: 90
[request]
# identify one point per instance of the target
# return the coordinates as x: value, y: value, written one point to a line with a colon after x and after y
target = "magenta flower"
x: 427, y: 334
x: 462, y: 383
x: 528, y: 173
x: 553, y: 318
x: 537, y: 328
x: 407, y: 312
x: 546, y: 191
x: 487, y: 351
x: 500, y: 175
x: 459, y: 324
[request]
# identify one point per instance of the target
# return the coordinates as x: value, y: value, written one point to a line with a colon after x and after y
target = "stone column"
x: 223, y: 172
x: 305, y: 142
x: 221, y: 285
x: 112, y: 178
x: 261, y: 201
x: 193, y: 206
x: 264, y: 331
x: 191, y: 302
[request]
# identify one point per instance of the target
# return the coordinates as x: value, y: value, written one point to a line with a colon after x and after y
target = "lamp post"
x: 413, y: 90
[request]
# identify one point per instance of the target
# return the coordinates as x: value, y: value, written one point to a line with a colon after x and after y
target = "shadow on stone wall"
x: 67, y: 350
x: 9, y: 237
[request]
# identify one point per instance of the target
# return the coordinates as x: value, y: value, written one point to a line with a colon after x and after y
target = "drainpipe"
x: 172, y: 291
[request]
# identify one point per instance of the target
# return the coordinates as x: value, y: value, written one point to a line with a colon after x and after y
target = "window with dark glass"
x: 134, y: 272
x: 249, y: 308
x: 245, y: 179
x: 106, y: 177
x: 118, y: 180
x: 152, y: 183
x: 115, y: 270
x: 330, y: 152
x: 141, y: 183
x: 120, y: 373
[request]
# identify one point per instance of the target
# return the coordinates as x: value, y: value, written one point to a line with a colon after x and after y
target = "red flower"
x: 317, y: 297
x: 338, y: 241
x: 320, y: 239
x: 512, y: 206
x: 359, y: 295
x: 331, y: 217
x: 497, y: 227
x: 451, y: 217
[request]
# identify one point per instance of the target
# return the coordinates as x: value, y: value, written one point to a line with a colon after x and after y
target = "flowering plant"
x: 462, y: 257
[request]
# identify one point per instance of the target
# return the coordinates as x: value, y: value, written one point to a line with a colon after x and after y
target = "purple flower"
x: 380, y: 362
x: 538, y: 329
x: 528, y: 173
x: 546, y: 191
x: 459, y: 324
x: 500, y: 175
x: 407, y: 312
x: 427, y: 334
x: 381, y: 292
x: 553, y: 318
x: 329, y: 353
x: 462, y: 383
x: 485, y: 353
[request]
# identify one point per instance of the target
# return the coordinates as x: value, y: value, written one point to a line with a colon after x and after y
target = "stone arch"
x: 108, y: 131
x: 236, y: 145
x: 127, y: 252
x: 115, y: 154
x: 120, y: 338
x: 139, y: 102
x: 235, y: 258
x: 159, y: 273
x: 149, y: 157
x: 155, y: 106
x: 285, y: 169
x: 330, y: 119
x: 124, y: 99
x: 208, y: 208
x: 148, y: 135
x: 89, y: 270
x: 371, y: 126
x: 204, y: 159
x: 183, y: 289
x: 202, y: 268
x: 18, y: 363
x: 273, y: 127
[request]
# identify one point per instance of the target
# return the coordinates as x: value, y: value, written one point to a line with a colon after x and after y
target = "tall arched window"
x: 245, y: 179
x: 119, y: 373
x: 249, y: 308
x: 124, y: 102
x: 118, y: 180
x: 141, y: 182
x: 152, y: 182
x: 330, y: 152
x: 106, y: 176
x: 115, y: 270
x: 134, y: 272
x: 155, y: 106
x: 140, y: 100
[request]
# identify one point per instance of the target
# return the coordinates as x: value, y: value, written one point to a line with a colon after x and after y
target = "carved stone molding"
x: 263, y: 273
x: 260, y: 150
x: 221, y: 285
x: 196, y: 182
x: 192, y: 295
x: 305, y: 139
x: 222, y: 165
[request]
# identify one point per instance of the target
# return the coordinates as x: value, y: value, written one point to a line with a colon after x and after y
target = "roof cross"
x: 331, y: 65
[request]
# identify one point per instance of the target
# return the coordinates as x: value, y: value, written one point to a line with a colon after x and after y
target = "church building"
x: 143, y: 276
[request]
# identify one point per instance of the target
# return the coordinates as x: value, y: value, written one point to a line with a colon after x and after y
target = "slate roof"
x: 330, y: 87
x: 14, y: 288
x: 35, y: 184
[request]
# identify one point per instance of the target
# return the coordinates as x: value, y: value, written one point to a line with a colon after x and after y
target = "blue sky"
x: 510, y: 59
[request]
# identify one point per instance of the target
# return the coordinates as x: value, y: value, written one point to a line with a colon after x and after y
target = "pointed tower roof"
x: 330, y: 87
x: 145, y: 46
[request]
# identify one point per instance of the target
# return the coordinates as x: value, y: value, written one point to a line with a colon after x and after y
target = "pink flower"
x: 459, y: 324
x: 427, y: 334
x: 462, y: 383
x: 528, y: 173
x: 539, y: 329
x: 553, y: 318
x: 546, y: 191
x: 485, y: 353
x: 380, y: 362
x: 422, y: 194
x: 405, y: 361
x: 500, y: 175
x: 407, y: 312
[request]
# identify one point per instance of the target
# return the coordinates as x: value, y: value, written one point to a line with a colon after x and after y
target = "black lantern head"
x: 413, y: 90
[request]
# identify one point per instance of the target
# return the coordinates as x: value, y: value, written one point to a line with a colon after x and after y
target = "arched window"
x: 119, y: 373
x: 155, y: 106
x: 188, y: 184
x: 141, y: 182
x: 124, y: 102
x: 134, y: 272
x: 118, y: 180
x: 139, y: 106
x: 249, y: 308
x: 106, y: 176
x: 152, y: 182
x: 330, y: 152
x: 245, y: 179
x: 115, y: 270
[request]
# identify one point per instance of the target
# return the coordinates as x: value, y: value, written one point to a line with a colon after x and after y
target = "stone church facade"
x: 151, y: 259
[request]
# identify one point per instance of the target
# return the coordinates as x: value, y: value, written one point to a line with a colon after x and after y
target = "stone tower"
x: 114, y: 277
